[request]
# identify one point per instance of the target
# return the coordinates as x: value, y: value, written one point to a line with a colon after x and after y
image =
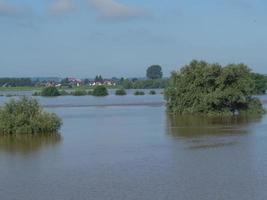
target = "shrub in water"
x: 100, y: 91
x: 138, y: 93
x: 120, y: 92
x: 90, y: 92
x: 63, y: 93
x: 26, y: 116
x: 50, y: 92
x: 79, y: 92
x: 152, y: 92
x: 36, y: 94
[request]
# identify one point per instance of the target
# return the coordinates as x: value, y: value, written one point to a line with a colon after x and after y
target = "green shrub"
x: 139, y: 93
x: 50, y: 92
x: 152, y: 92
x: 36, y: 94
x: 90, y: 92
x: 64, y: 93
x: 26, y: 116
x: 79, y: 92
x: 100, y: 91
x: 120, y: 92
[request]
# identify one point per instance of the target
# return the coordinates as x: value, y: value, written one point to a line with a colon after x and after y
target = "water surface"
x: 136, y: 152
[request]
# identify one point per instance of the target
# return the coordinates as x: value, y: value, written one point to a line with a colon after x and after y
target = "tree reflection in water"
x: 28, y: 143
x: 197, y: 126
x: 200, y: 132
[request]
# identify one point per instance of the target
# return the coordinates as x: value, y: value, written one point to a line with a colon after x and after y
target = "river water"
x: 120, y: 148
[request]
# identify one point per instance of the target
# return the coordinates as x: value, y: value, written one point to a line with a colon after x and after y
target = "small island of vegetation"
x: 210, y: 89
x: 139, y: 93
x: 100, y: 91
x: 26, y: 116
x: 152, y: 92
x: 50, y: 91
x: 120, y: 92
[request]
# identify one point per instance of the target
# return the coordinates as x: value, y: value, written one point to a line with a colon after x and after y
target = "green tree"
x: 120, y: 92
x: 50, y: 92
x: 26, y: 116
x: 154, y: 72
x: 260, y: 83
x: 100, y: 91
x: 99, y: 78
x: 203, y: 88
x: 79, y: 92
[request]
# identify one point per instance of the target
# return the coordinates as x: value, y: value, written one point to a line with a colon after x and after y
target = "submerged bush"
x: 50, y: 92
x: 139, y: 93
x: 120, y: 92
x: 26, y: 116
x: 152, y: 92
x: 36, y: 93
x: 100, y: 91
x: 210, y: 89
x: 90, y: 92
x: 64, y: 93
x: 79, y: 92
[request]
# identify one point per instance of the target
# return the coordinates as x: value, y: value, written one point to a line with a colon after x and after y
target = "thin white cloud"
x: 111, y: 9
x: 61, y: 6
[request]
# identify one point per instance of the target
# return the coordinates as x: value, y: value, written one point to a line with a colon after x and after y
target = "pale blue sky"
x: 123, y: 37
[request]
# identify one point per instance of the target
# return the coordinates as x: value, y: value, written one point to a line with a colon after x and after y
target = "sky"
x: 121, y: 38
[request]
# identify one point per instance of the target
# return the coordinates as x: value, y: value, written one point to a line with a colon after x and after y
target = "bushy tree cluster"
x: 15, y: 82
x: 144, y: 84
x: 260, y: 83
x: 204, y: 88
x: 26, y: 116
x: 50, y: 92
x: 100, y: 91
x: 120, y: 92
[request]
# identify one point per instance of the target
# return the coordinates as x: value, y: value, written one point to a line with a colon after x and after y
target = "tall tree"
x: 154, y: 72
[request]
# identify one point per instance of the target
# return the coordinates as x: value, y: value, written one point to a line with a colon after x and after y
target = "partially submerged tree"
x: 26, y: 116
x: 50, y: 91
x: 120, y: 92
x: 100, y: 91
x: 203, y: 88
x: 260, y: 83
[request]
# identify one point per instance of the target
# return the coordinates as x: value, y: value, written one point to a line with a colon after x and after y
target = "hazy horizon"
x: 121, y: 38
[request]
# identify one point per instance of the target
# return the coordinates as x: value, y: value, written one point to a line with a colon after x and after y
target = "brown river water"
x: 128, y: 148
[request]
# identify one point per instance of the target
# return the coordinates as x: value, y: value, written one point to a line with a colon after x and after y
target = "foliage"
x: 120, y: 92
x: 139, y: 93
x: 15, y: 82
x: 211, y: 89
x: 50, y: 92
x: 260, y: 83
x: 143, y: 84
x: 79, y: 92
x: 64, y: 93
x: 99, y: 79
x: 26, y: 116
x: 152, y: 92
x: 154, y: 72
x: 36, y: 93
x: 100, y: 91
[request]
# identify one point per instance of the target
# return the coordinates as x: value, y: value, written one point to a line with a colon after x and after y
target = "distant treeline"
x: 143, y: 84
x: 15, y: 82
